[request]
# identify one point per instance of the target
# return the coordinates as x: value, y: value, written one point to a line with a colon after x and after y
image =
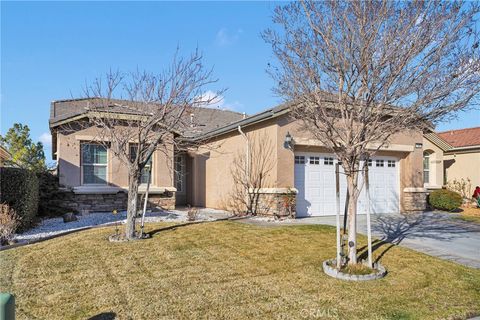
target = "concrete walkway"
x: 435, y: 233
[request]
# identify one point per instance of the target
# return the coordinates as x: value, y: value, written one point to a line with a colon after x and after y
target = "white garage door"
x: 315, y: 181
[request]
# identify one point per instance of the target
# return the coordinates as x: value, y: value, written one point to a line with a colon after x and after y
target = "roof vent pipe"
x: 192, y: 120
x: 247, y: 162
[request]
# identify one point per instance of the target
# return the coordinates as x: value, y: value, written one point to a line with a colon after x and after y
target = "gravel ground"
x: 269, y: 220
x: 55, y: 226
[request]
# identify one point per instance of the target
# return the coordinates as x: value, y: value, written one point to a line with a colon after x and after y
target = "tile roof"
x: 198, y: 120
x: 439, y: 142
x: 462, y: 137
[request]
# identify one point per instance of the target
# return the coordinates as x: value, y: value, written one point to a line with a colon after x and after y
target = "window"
x: 369, y: 162
x: 328, y: 161
x: 314, y: 160
x: 391, y: 163
x: 94, y: 163
x: 299, y: 160
x: 180, y: 173
x: 146, y: 169
x: 379, y: 163
x: 426, y: 167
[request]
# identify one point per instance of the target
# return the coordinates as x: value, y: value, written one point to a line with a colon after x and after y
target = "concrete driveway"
x: 435, y: 233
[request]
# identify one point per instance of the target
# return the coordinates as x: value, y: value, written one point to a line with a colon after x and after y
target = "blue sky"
x: 50, y: 49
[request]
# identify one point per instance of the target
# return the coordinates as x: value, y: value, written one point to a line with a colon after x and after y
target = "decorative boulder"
x: 69, y: 217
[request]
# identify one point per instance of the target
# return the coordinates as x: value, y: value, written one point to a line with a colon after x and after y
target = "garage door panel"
x: 315, y: 176
x: 315, y: 181
x: 329, y: 207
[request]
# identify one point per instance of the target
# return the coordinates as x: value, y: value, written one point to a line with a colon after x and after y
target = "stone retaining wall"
x: 279, y: 204
x: 164, y: 200
x: 108, y: 202
x: 414, y: 199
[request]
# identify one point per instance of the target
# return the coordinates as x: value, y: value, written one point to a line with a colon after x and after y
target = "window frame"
x: 299, y: 160
x: 314, y: 160
x: 152, y: 158
x: 82, y: 164
x: 426, y: 156
x: 182, y: 172
x: 328, y: 161
x: 378, y: 162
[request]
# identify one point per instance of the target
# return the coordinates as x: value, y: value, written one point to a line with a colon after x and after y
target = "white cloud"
x: 46, y: 139
x: 211, y: 100
x: 226, y: 38
x: 233, y: 106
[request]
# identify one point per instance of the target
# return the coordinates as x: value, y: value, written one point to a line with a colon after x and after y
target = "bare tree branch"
x: 147, y: 110
x: 358, y: 72
x: 251, y: 173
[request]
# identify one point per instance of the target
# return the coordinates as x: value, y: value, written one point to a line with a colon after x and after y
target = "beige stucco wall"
x: 464, y: 165
x: 69, y: 161
x: 211, y: 178
x: 436, y: 164
x: 411, y: 170
x: 451, y: 165
x: 208, y: 169
x: 411, y: 174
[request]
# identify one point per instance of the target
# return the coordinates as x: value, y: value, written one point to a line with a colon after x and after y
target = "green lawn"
x: 227, y: 270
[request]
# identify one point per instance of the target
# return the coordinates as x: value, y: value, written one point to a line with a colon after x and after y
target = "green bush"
x: 20, y: 190
x: 445, y: 199
x: 50, y: 204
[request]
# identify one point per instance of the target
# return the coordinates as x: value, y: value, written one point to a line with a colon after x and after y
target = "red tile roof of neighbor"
x: 462, y: 137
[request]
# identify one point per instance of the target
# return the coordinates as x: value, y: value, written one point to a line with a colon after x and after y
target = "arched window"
x: 426, y: 167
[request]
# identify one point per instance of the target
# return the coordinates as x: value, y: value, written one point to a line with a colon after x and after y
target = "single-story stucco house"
x: 202, y: 177
x: 451, y: 155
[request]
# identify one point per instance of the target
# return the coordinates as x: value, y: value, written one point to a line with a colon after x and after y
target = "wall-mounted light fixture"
x: 418, y: 145
x: 288, y: 143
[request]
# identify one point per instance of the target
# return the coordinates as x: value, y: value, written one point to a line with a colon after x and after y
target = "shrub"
x: 19, y: 189
x: 192, y: 214
x: 50, y: 204
x: 462, y: 186
x: 9, y: 222
x: 445, y: 200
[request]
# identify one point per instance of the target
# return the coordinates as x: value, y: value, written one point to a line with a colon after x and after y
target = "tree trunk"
x: 352, y: 219
x: 133, y: 182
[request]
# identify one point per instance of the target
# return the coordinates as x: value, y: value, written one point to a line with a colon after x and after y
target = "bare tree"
x: 139, y: 113
x: 250, y: 171
x: 358, y: 72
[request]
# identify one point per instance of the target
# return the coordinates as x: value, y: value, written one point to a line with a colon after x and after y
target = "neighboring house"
x: 202, y: 177
x: 451, y: 155
x: 4, y: 156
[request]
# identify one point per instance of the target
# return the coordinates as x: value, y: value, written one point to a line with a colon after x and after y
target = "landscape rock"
x: 69, y: 217
x: 55, y: 226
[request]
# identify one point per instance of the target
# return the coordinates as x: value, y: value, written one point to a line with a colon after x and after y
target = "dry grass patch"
x: 358, y: 269
x: 470, y: 215
x: 226, y: 270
